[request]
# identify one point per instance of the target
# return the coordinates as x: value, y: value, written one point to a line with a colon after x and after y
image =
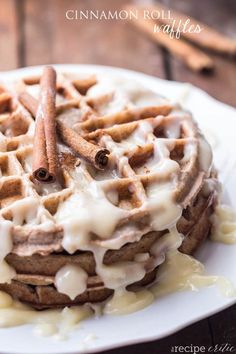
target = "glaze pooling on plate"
x: 224, y: 222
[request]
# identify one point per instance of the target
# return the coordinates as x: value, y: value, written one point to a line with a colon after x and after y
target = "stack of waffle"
x: 158, y: 177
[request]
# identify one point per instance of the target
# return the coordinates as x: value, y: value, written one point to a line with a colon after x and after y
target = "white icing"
x: 28, y: 211
x: 189, y: 151
x: 170, y: 241
x: 34, y: 90
x: 224, y: 225
x: 45, y: 329
x: 28, y: 163
x: 7, y: 273
x: 5, y: 300
x: 125, y: 234
x: 86, y: 211
x: 205, y: 155
x: 70, y: 116
x: 120, y: 274
x: 47, y: 322
x: 126, y: 302
x: 141, y: 257
x: 71, y: 280
x: 48, y: 188
x: 3, y: 142
x: 164, y: 211
x: 182, y: 272
x: 124, y: 94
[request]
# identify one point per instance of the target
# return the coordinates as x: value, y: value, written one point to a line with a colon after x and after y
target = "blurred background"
x: 37, y: 32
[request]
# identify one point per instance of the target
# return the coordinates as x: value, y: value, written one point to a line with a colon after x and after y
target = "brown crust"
x: 200, y: 222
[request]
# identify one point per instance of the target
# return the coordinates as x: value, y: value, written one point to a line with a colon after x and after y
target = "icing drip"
x: 170, y: 241
x: 7, y: 273
x: 224, y: 225
x: 29, y: 212
x: 205, y: 155
x: 119, y: 275
x: 83, y: 213
x: 71, y: 280
x: 164, y: 211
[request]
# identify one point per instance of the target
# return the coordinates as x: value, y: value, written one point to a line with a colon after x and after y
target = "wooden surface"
x: 36, y: 32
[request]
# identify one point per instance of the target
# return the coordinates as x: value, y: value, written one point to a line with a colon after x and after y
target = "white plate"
x: 173, y: 312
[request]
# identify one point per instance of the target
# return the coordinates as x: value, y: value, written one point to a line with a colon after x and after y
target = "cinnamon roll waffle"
x: 98, y: 230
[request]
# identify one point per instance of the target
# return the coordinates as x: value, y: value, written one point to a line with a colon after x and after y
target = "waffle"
x: 159, y: 176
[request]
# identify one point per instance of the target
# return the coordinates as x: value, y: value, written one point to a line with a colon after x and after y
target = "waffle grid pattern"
x: 134, y: 136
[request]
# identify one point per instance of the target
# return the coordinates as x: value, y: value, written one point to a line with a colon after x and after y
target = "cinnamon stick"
x: 45, y: 157
x: 208, y: 38
x: 192, y: 57
x: 31, y: 104
x: 92, y: 153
